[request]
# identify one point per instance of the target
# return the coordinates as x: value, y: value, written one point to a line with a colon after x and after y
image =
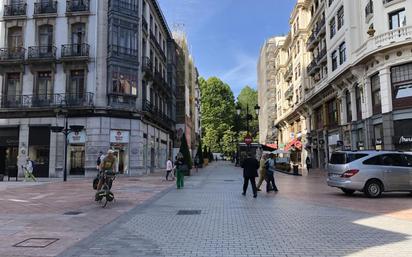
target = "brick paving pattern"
x: 306, y: 218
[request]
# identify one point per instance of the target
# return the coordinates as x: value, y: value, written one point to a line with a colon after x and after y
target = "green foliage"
x: 200, y: 152
x: 184, y: 149
x: 229, y: 142
x: 218, y: 111
x: 248, y: 99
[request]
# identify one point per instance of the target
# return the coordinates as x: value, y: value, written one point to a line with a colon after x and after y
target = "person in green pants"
x: 180, y: 169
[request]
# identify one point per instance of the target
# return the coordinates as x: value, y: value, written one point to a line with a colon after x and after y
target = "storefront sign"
x: 119, y: 136
x: 361, y: 145
x: 405, y: 140
x: 77, y: 137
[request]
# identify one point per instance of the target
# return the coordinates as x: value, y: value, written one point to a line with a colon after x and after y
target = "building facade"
x: 104, y: 65
x: 358, y: 77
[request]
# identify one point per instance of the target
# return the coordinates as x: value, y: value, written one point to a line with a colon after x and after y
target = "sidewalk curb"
x: 288, y: 173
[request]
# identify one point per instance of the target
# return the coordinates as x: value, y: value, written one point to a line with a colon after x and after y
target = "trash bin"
x: 295, y: 169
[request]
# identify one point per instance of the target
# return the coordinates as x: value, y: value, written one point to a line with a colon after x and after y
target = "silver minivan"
x: 371, y: 172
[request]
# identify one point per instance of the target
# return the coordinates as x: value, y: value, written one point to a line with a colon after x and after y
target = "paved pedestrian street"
x: 210, y: 217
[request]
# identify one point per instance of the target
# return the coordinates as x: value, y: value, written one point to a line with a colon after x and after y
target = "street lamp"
x: 66, y: 131
x: 248, y: 117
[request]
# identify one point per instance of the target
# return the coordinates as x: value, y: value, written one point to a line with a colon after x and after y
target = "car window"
x: 353, y: 157
x: 343, y: 158
x: 386, y: 160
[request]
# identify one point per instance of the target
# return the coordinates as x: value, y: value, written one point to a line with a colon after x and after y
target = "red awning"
x: 270, y: 147
x: 294, y: 143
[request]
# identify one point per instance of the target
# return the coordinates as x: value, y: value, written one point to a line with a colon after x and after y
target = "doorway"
x: 77, y: 157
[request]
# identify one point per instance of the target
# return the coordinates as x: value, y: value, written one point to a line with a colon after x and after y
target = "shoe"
x: 243, y: 193
x: 254, y: 196
x: 259, y: 189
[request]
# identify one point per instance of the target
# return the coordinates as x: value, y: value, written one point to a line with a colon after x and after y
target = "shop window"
x: 334, y: 60
x: 342, y: 53
x: 402, y: 85
x: 348, y: 107
x: 332, y: 27
x: 124, y: 81
x: 340, y: 18
x: 376, y: 94
x: 397, y: 19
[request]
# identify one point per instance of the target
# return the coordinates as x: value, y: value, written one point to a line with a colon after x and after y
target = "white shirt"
x: 169, y: 165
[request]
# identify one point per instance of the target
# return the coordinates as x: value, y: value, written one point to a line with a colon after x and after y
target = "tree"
x: 218, y: 111
x: 229, y: 143
x: 248, y: 98
x: 200, y: 153
x: 184, y: 149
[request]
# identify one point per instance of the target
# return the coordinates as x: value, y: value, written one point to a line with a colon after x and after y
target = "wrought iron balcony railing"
x: 122, y: 101
x: 42, y: 52
x: 45, y: 7
x: 312, y: 67
x: 120, y: 50
x: 46, y: 100
x: 75, y: 50
x: 77, y: 6
x: 147, y: 65
x: 12, y: 54
x: 321, y: 56
x: 19, y: 9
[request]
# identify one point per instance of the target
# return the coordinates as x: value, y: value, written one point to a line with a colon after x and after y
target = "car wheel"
x: 348, y: 191
x: 373, y: 188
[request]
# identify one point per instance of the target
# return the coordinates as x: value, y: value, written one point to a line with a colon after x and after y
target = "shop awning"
x: 294, y: 143
x: 269, y: 147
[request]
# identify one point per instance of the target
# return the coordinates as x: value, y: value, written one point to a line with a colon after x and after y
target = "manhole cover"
x: 73, y: 213
x: 189, y: 212
x: 36, y: 242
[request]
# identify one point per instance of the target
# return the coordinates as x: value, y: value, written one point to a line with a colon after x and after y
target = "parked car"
x: 371, y: 172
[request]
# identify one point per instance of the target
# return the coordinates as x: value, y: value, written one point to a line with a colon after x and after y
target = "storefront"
x: 39, y: 150
x: 403, y: 135
x: 119, y: 142
x: 334, y: 143
x: 76, y: 152
x: 9, y: 145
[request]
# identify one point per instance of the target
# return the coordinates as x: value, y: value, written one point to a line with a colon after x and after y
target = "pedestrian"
x: 270, y: 179
x: 308, y: 163
x: 169, y: 168
x: 28, y: 170
x: 99, y: 160
x: 250, y: 166
x: 262, y: 171
x: 197, y: 163
x: 181, y: 168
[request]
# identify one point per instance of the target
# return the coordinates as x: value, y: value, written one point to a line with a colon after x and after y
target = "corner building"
x: 103, y: 65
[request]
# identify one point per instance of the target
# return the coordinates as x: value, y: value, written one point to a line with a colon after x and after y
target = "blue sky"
x: 225, y: 36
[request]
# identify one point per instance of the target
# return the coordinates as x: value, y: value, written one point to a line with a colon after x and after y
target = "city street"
x: 210, y: 217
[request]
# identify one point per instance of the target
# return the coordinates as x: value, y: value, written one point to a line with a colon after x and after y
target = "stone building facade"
x: 104, y: 65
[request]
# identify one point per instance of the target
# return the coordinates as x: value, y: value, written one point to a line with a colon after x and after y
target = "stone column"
x: 23, y: 148
x: 367, y: 97
x: 353, y: 102
x: 386, y: 89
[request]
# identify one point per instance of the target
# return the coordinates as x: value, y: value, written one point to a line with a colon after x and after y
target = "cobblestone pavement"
x: 229, y: 224
x: 42, y: 210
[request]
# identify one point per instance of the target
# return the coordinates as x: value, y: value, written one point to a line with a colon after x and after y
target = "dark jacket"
x: 250, y: 167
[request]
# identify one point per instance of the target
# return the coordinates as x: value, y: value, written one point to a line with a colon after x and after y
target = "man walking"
x: 270, y: 179
x: 250, y: 166
x: 262, y: 171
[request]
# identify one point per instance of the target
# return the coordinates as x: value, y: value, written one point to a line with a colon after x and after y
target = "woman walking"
x: 262, y: 171
x: 181, y: 167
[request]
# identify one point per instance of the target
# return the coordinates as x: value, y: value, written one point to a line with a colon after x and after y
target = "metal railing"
x: 150, y: 108
x: 123, y: 6
x: 120, y: 50
x: 147, y: 65
x: 78, y: 5
x: 122, y: 101
x: 75, y: 50
x: 46, y: 100
x: 15, y: 9
x: 311, y: 67
x: 320, y: 26
x: 158, y: 46
x: 321, y: 55
x: 44, y: 7
x: 12, y: 54
x: 42, y: 52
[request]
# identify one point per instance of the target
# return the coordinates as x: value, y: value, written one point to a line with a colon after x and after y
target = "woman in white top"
x: 169, y: 168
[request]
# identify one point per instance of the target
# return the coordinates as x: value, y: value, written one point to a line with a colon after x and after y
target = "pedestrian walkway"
x: 210, y: 217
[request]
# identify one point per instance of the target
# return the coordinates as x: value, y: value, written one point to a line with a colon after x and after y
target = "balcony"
x: 289, y: 93
x: 320, y: 27
x: 311, y: 43
x: 42, y: 53
x: 156, y: 114
x: 46, y: 101
x: 12, y: 55
x: 289, y: 74
x: 145, y: 25
x: 45, y: 8
x: 77, y: 6
x: 312, y: 68
x: 123, y: 51
x: 369, y: 10
x: 122, y: 101
x: 75, y: 52
x: 147, y: 66
x: 392, y: 38
x: 321, y: 58
x: 157, y: 45
x: 13, y: 11
x: 124, y: 6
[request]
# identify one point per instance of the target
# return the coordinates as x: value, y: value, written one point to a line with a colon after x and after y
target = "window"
x: 402, y: 85
x: 76, y: 84
x: 340, y: 18
x: 397, y: 19
x: 348, y: 107
x: 342, y: 53
x: 44, y: 87
x: 333, y: 117
x: 13, y: 87
x: 334, y: 60
x: 78, y: 33
x: 344, y: 158
x: 45, y: 39
x: 15, y: 38
x: 358, y: 103
x: 332, y: 27
x: 123, y: 37
x: 387, y: 160
x: 124, y: 81
x: 377, y: 132
x: 318, y: 117
x: 376, y: 94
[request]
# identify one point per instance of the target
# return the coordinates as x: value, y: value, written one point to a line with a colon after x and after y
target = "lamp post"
x: 66, y: 131
x: 248, y: 117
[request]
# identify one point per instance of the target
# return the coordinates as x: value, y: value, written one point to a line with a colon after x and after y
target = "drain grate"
x: 72, y: 213
x: 36, y: 242
x: 189, y: 212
